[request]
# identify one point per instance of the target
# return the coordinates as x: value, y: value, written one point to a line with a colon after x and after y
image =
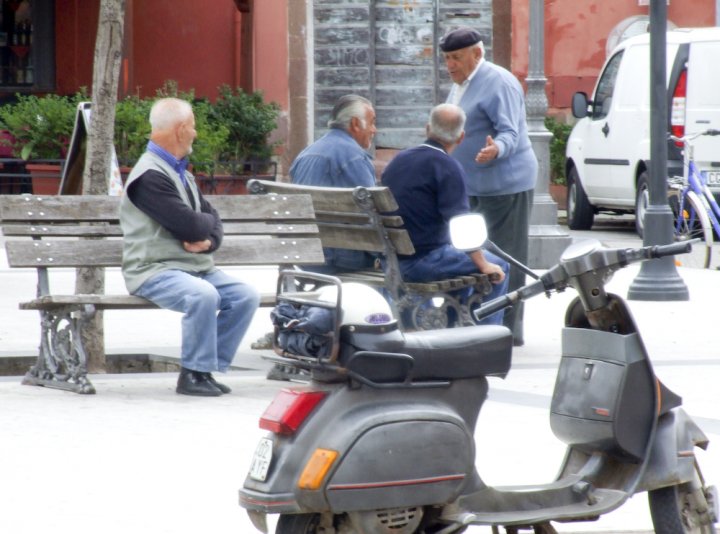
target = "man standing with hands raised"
x: 496, y: 154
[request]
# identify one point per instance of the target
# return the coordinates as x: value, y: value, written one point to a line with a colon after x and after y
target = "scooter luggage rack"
x: 292, y: 287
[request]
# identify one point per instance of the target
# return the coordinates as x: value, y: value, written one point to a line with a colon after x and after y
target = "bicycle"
x: 695, y: 209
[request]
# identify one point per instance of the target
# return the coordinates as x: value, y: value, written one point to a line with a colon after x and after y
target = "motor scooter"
x: 382, y: 438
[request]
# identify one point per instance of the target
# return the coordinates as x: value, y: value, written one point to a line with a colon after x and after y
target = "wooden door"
x: 386, y: 50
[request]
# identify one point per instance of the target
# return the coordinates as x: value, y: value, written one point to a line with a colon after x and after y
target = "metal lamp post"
x: 547, y: 239
x: 658, y: 280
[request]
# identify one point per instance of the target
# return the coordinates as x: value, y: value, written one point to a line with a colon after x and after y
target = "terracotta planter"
x: 558, y: 193
x: 45, y: 178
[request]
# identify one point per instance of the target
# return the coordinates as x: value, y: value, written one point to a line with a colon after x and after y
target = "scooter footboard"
x: 428, y: 460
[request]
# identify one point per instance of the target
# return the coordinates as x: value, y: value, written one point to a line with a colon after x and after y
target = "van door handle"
x: 606, y: 129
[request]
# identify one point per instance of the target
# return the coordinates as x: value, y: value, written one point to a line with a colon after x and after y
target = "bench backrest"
x: 350, y: 218
x: 258, y: 230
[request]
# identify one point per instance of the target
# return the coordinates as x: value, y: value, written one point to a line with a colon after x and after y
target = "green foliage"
x: 41, y: 126
x: 236, y: 127
x: 560, y: 132
x: 249, y: 121
x: 132, y: 128
x: 211, y: 141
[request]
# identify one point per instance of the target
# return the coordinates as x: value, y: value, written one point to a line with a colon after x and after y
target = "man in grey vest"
x: 170, y: 232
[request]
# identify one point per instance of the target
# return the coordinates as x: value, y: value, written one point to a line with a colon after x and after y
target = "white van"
x: 608, y: 151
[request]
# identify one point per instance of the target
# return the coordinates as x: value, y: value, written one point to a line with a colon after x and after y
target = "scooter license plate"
x: 261, y: 460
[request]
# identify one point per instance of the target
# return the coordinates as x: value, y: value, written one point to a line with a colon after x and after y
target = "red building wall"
x: 576, y: 33
x: 198, y: 44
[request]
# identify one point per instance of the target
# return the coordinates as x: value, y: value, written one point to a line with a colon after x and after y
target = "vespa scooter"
x: 381, y: 441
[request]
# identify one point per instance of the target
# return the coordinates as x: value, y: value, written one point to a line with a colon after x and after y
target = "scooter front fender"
x: 672, y: 457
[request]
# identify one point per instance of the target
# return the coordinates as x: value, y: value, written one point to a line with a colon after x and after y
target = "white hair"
x: 347, y: 108
x: 167, y: 112
x: 447, y: 122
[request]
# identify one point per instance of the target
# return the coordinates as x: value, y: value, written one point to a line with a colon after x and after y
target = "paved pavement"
x: 137, y: 458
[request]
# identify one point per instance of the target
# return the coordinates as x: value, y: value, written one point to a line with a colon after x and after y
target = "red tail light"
x: 677, y: 113
x: 289, y: 409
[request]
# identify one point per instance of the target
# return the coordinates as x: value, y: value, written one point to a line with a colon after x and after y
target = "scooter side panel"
x: 403, y: 464
x: 342, y: 419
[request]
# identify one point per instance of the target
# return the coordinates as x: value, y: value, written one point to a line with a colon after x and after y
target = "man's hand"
x: 197, y: 246
x: 488, y: 153
x: 494, y: 272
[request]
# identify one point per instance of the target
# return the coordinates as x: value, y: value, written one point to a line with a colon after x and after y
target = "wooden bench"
x: 358, y: 219
x: 48, y: 232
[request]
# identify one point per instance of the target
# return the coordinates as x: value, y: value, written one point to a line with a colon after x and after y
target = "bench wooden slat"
x: 45, y: 209
x: 114, y: 230
x: 107, y: 302
x: 328, y: 198
x: 364, y: 238
x: 108, y: 252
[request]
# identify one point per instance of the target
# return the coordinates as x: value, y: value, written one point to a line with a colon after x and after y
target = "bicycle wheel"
x: 693, y: 222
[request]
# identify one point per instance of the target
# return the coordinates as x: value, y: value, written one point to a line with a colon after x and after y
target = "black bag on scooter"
x: 303, y: 330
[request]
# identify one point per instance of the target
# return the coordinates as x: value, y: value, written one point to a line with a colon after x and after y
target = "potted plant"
x: 558, y: 181
x: 39, y: 130
x: 232, y: 136
x: 249, y: 121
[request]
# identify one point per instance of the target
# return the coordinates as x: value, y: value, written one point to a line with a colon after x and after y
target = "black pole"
x: 658, y: 279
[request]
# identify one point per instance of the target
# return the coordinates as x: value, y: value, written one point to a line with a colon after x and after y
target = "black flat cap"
x: 459, y: 38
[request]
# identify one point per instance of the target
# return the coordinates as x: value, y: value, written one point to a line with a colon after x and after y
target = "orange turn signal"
x: 317, y: 468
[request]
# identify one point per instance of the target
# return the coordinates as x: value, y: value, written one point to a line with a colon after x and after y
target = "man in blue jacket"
x: 340, y: 159
x: 496, y: 154
x: 429, y: 187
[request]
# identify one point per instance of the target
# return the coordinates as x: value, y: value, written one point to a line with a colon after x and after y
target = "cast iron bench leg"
x: 62, y: 362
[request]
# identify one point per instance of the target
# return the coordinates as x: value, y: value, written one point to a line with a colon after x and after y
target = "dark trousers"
x: 508, y: 223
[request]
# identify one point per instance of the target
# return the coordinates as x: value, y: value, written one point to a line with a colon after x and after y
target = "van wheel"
x: 580, y: 214
x: 642, y: 199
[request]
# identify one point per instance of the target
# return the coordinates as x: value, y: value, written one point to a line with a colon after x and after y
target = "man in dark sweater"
x: 170, y: 231
x: 429, y: 187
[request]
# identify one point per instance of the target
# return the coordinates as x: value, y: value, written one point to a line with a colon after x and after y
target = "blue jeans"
x: 340, y: 260
x: 209, y: 339
x: 446, y: 262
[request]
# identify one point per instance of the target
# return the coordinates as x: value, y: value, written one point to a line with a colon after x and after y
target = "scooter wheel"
x: 298, y: 524
x: 674, y: 510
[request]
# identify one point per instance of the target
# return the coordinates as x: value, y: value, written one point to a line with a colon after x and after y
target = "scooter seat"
x: 464, y: 352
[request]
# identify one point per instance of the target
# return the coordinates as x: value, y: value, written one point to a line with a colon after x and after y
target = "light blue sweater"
x: 494, y: 103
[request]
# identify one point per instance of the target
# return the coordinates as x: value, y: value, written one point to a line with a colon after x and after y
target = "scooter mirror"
x: 468, y: 231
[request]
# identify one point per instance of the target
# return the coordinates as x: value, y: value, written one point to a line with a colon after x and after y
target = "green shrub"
x: 132, y: 128
x: 249, y: 121
x: 211, y: 141
x: 560, y: 132
x: 234, y: 128
x: 40, y: 126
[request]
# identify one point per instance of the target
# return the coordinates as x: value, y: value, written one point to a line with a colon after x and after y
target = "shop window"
x: 27, y: 45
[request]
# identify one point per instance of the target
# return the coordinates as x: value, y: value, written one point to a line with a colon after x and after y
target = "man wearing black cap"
x: 496, y: 154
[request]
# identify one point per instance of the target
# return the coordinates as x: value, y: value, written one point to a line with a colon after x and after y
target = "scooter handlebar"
x: 658, y: 251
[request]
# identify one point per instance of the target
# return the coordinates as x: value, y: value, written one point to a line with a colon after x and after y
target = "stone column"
x: 547, y: 239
